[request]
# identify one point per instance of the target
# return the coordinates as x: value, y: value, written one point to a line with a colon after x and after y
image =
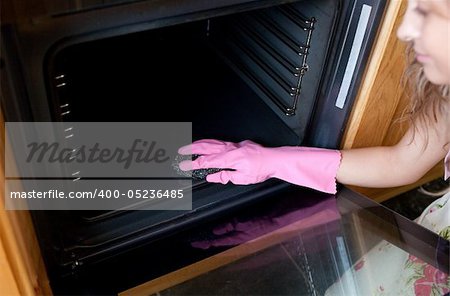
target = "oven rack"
x: 260, y: 50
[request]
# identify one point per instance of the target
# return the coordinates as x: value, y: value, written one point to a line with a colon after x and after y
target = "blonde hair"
x: 428, y: 101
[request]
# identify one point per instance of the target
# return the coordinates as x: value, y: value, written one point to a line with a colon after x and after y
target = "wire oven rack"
x: 269, y: 49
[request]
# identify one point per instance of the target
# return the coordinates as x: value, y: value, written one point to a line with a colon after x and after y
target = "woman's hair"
x: 428, y: 101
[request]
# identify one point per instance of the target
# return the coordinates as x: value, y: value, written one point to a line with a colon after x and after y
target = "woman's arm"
x: 247, y: 162
x: 401, y: 164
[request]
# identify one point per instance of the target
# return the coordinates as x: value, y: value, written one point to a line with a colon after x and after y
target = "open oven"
x: 278, y: 72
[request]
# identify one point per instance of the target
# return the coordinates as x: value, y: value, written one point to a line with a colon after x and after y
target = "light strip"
x: 354, y: 55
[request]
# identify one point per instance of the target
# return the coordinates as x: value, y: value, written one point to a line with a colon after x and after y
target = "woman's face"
x: 427, y: 25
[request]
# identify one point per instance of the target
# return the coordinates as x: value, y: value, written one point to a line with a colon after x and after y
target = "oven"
x: 277, y: 72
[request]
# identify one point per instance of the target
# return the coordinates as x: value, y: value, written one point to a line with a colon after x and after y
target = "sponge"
x: 199, y: 174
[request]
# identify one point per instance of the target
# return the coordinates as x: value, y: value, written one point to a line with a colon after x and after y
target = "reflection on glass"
x: 357, y: 248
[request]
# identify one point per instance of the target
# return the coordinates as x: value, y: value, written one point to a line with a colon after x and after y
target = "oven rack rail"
x: 269, y: 49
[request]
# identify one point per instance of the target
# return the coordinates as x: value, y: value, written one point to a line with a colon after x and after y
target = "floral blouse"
x: 388, y: 270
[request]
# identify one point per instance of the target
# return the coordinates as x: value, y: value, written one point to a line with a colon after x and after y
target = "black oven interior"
x: 223, y: 74
x: 275, y: 72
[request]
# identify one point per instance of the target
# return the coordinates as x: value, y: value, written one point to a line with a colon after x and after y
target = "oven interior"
x: 250, y: 75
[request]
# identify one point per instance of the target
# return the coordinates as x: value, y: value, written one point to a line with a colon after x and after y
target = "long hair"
x: 428, y: 101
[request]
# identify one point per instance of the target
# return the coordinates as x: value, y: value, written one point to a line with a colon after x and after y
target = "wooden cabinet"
x: 22, y: 270
x: 373, y: 122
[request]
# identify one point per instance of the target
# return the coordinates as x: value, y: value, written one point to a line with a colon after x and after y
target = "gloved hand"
x: 303, y: 213
x: 249, y: 163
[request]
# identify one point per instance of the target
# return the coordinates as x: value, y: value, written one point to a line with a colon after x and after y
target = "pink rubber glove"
x: 249, y: 163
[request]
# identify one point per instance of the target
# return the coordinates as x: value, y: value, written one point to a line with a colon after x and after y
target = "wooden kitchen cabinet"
x: 373, y: 122
x: 22, y: 270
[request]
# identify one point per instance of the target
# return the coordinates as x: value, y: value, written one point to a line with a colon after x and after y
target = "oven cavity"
x: 249, y: 75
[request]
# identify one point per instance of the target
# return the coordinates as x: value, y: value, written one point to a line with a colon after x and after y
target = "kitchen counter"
x: 299, y: 244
